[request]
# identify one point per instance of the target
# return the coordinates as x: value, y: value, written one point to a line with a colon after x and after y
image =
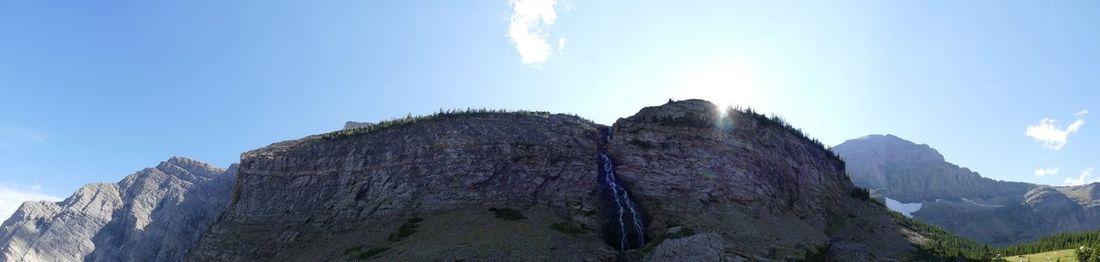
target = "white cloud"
x: 12, y: 197
x: 1082, y: 179
x: 1046, y: 171
x: 528, y: 30
x: 561, y: 45
x: 1082, y: 112
x: 1050, y: 135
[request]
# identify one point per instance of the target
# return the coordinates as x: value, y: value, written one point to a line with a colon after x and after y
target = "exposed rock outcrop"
x: 760, y: 184
x: 353, y: 124
x: 962, y: 201
x: 156, y: 214
x: 701, y: 247
x: 315, y: 198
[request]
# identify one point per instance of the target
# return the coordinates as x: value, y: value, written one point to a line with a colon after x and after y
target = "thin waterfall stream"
x: 626, y: 220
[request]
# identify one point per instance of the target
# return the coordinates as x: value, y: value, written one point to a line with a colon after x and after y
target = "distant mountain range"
x: 961, y: 200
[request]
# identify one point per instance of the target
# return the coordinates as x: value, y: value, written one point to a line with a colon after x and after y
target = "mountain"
x: 679, y: 181
x: 156, y: 214
x: 962, y: 201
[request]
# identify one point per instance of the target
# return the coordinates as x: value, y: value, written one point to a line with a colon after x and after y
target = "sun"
x: 726, y: 85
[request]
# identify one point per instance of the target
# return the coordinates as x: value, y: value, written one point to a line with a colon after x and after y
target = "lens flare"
x: 724, y: 84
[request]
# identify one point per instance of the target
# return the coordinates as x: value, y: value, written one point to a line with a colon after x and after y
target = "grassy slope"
x: 1064, y: 255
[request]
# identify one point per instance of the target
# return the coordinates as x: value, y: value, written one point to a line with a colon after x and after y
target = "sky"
x: 94, y: 91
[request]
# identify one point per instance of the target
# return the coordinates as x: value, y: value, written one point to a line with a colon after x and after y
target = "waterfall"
x: 625, y: 213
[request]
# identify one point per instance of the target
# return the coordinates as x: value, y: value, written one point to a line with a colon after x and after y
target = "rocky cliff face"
x: 315, y: 198
x: 960, y: 200
x: 503, y: 186
x: 764, y: 188
x: 156, y: 214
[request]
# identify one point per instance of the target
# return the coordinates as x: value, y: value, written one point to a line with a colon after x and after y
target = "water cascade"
x: 626, y: 220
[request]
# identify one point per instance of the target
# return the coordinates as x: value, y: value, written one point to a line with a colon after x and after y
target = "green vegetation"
x: 641, y: 144
x: 860, y: 193
x: 507, y: 213
x: 1086, y: 254
x: 352, y: 250
x: 406, y: 229
x: 1084, y: 246
x: 705, y: 174
x: 820, y: 253
x: 1073, y: 240
x: 357, y: 252
x: 569, y: 228
x: 1065, y: 255
x: 943, y: 245
x: 374, y: 251
x: 778, y: 121
x: 410, y: 119
x: 684, y: 232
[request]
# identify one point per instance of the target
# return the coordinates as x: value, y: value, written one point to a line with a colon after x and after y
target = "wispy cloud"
x: 529, y: 29
x: 1046, y: 171
x: 1085, y: 177
x: 561, y: 45
x: 12, y: 197
x: 1050, y: 135
x: 11, y: 135
x: 1082, y: 112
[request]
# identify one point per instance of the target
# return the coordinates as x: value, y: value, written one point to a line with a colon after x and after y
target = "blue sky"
x: 94, y: 91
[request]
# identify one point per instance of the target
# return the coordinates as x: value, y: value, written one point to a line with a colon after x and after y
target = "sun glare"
x: 723, y: 84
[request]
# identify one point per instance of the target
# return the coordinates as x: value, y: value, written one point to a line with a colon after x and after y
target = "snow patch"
x: 906, y: 209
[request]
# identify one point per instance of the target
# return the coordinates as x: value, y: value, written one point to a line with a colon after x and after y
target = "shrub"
x: 410, y: 119
x: 406, y: 229
x: 374, y: 251
x: 820, y: 253
x: 352, y: 250
x: 641, y: 144
x: 860, y: 193
x: 684, y: 232
x: 568, y: 228
x: 778, y: 121
x: 507, y: 213
x: 705, y: 174
x: 357, y: 252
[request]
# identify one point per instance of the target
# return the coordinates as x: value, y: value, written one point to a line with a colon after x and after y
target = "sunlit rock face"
x: 766, y: 190
x: 156, y: 214
x: 960, y: 200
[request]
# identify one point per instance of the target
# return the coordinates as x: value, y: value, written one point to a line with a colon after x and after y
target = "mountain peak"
x: 888, y: 144
x: 152, y: 215
x: 694, y: 112
x: 183, y: 168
